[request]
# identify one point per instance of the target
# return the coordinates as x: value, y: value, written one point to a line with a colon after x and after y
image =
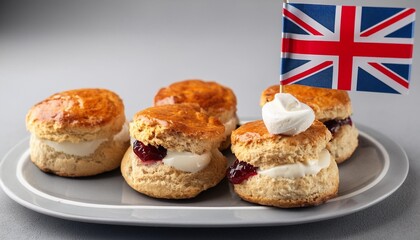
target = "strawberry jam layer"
x: 148, y: 153
x: 334, y: 125
x: 240, y: 171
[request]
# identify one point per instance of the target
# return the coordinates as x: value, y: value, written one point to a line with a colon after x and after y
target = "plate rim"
x: 380, y: 138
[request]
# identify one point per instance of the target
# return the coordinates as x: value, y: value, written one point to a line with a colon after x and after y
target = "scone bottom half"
x: 78, y: 133
x: 258, y: 152
x: 174, y: 153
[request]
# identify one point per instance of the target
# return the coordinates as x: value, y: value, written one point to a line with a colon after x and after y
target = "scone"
x: 174, y: 152
x: 283, y: 171
x: 78, y: 133
x: 217, y: 100
x: 333, y: 108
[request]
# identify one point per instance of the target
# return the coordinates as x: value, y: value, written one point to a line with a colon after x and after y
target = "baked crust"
x: 161, y: 181
x: 179, y: 127
x: 211, y: 96
x: 327, y: 103
x: 77, y: 115
x: 252, y: 143
x: 310, y: 190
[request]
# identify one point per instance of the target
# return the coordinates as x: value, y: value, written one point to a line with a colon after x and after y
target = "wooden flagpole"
x: 281, y: 86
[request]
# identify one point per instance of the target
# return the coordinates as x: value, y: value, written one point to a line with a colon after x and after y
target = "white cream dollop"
x: 187, y: 161
x: 286, y: 115
x: 299, y: 169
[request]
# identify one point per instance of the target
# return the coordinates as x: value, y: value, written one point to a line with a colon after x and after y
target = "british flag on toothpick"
x: 347, y: 47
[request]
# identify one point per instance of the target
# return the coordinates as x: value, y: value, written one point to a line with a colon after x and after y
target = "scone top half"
x: 253, y: 144
x: 77, y: 116
x: 217, y: 100
x: 179, y: 127
x: 328, y: 104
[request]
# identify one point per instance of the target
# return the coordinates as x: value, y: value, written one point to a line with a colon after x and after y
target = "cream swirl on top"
x: 286, y: 115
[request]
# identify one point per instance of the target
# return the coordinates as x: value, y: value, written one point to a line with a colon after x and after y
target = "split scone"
x: 280, y: 170
x: 333, y: 108
x: 174, y: 152
x: 78, y: 133
x: 217, y: 100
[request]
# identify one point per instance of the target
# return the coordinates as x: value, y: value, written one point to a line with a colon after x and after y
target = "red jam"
x: 240, y: 171
x: 148, y: 153
x: 334, y: 125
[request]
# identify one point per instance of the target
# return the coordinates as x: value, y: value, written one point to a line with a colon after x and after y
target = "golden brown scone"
x: 211, y: 96
x: 177, y: 129
x: 255, y: 148
x: 77, y: 133
x: 329, y: 105
x: 217, y: 100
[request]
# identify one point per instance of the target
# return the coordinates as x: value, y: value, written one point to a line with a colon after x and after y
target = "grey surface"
x: 134, y: 48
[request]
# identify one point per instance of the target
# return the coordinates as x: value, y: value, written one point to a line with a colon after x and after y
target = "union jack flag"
x: 347, y: 47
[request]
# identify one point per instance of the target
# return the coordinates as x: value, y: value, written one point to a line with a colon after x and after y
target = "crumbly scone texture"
x: 327, y: 103
x: 344, y: 143
x: 252, y: 143
x: 162, y: 181
x: 179, y: 127
x: 310, y: 190
x: 77, y: 115
x: 106, y: 158
x: 217, y: 100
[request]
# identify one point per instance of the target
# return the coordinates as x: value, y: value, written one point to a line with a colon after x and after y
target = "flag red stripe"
x: 301, y: 23
x: 306, y: 73
x: 389, y: 74
x: 358, y: 49
x: 387, y: 23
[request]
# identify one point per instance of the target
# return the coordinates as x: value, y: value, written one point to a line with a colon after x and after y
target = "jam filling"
x: 240, y: 171
x: 334, y: 125
x: 148, y: 153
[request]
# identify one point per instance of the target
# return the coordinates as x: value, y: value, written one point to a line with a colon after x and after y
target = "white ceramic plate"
x: 378, y: 168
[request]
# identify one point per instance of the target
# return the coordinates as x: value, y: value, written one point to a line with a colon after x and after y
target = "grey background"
x: 136, y: 47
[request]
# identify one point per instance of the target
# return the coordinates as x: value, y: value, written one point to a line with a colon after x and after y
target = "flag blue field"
x: 347, y: 47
